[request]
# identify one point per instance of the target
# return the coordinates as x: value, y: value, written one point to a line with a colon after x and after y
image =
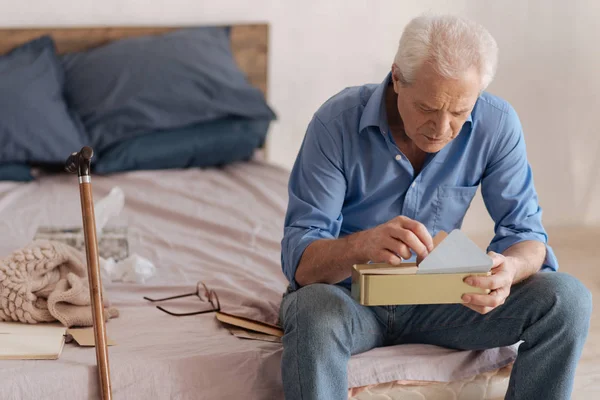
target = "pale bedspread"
x: 220, y: 226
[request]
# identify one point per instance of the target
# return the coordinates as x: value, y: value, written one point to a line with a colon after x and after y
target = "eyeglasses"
x: 203, y: 293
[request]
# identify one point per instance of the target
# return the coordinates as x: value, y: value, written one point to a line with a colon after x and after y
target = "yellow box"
x: 385, y: 284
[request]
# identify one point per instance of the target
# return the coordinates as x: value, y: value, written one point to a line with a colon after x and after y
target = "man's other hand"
x: 393, y: 240
x: 499, y: 283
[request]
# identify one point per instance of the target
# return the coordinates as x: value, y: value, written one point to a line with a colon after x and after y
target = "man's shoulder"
x: 490, y: 104
x: 493, y: 115
x: 348, y: 103
x: 496, y: 124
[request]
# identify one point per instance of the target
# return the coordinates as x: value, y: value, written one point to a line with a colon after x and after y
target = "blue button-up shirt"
x: 349, y: 176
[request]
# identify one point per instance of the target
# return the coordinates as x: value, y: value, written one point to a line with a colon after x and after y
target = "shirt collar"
x: 375, y: 114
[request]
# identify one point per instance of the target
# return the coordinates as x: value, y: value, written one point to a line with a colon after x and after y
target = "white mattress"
x: 487, y: 386
x: 224, y: 227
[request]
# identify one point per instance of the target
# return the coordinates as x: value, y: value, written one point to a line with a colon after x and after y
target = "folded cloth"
x: 47, y: 281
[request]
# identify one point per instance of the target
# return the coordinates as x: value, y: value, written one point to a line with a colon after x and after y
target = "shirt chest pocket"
x: 452, y: 203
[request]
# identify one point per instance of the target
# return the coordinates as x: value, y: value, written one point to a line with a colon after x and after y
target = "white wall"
x: 548, y: 67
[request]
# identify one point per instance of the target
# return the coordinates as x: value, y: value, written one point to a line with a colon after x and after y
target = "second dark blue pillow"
x: 139, y: 85
x: 209, y: 144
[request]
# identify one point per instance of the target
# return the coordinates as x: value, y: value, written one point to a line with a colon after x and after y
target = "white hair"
x: 451, y: 44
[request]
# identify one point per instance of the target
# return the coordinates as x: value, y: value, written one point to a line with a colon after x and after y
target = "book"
x: 250, y: 325
x: 20, y: 341
x: 252, y: 335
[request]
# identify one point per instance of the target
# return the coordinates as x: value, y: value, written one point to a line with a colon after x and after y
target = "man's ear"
x: 395, y: 80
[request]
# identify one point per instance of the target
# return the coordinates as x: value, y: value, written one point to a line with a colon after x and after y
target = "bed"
x: 222, y: 225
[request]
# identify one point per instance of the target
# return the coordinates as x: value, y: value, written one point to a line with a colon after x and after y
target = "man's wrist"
x: 514, y: 265
x: 526, y: 258
x: 520, y: 268
x: 354, y: 246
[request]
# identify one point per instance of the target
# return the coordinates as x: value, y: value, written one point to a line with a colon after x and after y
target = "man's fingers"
x: 394, y: 260
x: 398, y: 247
x: 386, y: 256
x: 411, y: 240
x: 420, y: 231
x: 488, y: 282
x: 494, y: 299
x: 497, y: 259
x: 485, y: 300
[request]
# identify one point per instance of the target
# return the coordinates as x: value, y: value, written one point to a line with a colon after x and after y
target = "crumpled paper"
x: 134, y: 268
x: 108, y: 207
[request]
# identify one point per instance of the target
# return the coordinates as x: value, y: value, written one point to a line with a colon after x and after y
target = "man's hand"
x: 396, y: 238
x: 331, y: 260
x: 500, y: 282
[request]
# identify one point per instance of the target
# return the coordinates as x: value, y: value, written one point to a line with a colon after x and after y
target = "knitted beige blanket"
x: 47, y: 281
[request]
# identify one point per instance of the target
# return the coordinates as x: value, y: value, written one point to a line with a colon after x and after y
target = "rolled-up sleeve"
x: 316, y: 190
x: 509, y: 194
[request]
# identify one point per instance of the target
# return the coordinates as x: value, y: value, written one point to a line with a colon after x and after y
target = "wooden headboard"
x: 249, y: 43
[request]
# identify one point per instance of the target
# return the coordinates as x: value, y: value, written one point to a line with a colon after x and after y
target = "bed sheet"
x: 222, y: 226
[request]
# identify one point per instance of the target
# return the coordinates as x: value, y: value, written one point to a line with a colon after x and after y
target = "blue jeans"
x: 323, y: 326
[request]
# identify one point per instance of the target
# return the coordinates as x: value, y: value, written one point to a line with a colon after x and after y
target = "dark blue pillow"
x: 139, y: 85
x: 35, y: 123
x: 209, y: 144
x: 15, y: 172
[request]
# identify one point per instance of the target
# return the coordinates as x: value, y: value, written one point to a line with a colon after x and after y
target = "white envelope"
x: 456, y: 254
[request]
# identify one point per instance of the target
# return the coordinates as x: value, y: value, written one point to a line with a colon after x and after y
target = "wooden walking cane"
x: 80, y: 163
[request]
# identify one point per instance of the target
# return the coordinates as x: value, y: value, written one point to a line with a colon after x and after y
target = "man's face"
x: 433, y: 108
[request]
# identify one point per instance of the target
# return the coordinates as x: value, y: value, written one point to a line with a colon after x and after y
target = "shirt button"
x: 398, y: 157
x: 413, y: 184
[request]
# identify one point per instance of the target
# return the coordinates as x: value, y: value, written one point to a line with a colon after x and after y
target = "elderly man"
x: 384, y: 167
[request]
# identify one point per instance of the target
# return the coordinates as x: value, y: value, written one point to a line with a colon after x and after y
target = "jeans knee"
x: 573, y: 301
x: 322, y: 311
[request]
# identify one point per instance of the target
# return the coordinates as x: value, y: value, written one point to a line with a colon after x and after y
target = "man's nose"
x: 442, y: 123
